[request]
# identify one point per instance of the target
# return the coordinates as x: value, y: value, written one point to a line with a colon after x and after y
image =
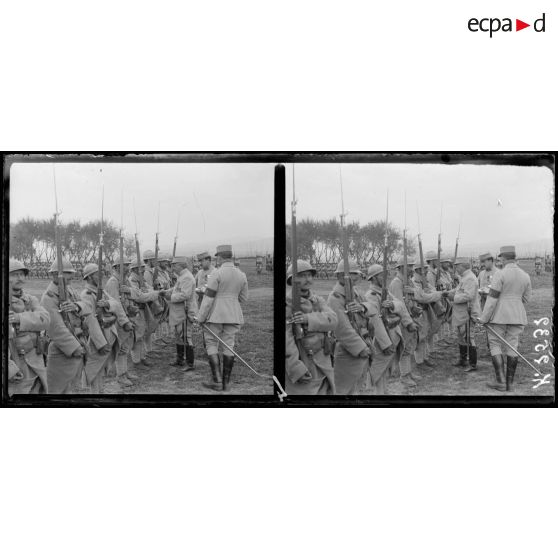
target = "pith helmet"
x: 149, y: 255
x: 302, y: 265
x: 16, y: 265
x: 353, y: 267
x: 431, y: 255
x: 134, y: 264
x: 401, y: 262
x: 89, y: 269
x: 66, y: 266
x: 487, y: 256
x: 223, y: 248
x: 373, y: 270
x: 125, y: 261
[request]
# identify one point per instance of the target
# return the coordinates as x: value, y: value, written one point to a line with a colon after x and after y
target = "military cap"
x: 302, y: 265
x: 401, y: 262
x: 223, y: 248
x: 431, y: 255
x: 125, y: 261
x: 353, y: 267
x: 487, y: 256
x: 203, y: 256
x: 506, y: 250
x: 134, y: 264
x: 373, y: 270
x: 16, y: 265
x: 180, y: 260
x: 149, y: 255
x: 66, y: 266
x: 89, y: 269
x: 464, y: 261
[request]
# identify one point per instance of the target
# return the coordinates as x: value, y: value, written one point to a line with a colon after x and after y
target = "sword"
x: 512, y: 348
x: 282, y: 393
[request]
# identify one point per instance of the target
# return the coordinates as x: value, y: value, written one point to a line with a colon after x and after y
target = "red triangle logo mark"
x: 519, y: 25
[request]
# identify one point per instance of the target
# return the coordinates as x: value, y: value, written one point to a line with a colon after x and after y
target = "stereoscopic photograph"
x: 419, y: 279
x: 140, y: 277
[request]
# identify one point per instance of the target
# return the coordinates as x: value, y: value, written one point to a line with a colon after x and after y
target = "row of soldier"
x: 55, y: 343
x: 350, y: 347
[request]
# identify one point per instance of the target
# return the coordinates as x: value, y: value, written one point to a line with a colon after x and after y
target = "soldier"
x: 486, y: 276
x: 425, y: 297
x: 144, y: 322
x: 466, y: 310
x: 388, y: 339
x: 182, y: 311
x: 27, y: 319
x: 103, y: 333
x: 505, y: 312
x: 398, y: 288
x: 157, y: 309
x: 220, y: 310
x: 445, y: 284
x: 203, y: 274
x: 259, y: 265
x: 163, y: 279
x: 353, y: 348
x: 121, y: 292
x: 432, y: 261
x: 68, y: 345
x: 317, y: 320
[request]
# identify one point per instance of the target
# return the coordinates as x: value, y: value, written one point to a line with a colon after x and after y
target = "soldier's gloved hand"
x: 389, y: 350
x: 78, y: 353
x: 128, y: 326
x: 299, y: 318
x: 124, y: 289
x: 104, y: 350
x: 412, y: 327
x: 13, y: 317
x: 365, y: 353
x: 103, y: 304
x: 388, y: 304
x: 355, y: 307
x: 68, y: 306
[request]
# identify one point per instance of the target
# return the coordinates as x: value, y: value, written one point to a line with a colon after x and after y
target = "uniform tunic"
x: 465, y: 306
x: 62, y: 368
x: 227, y: 288
x: 321, y: 319
x: 396, y: 289
x: 33, y: 319
x: 112, y: 288
x: 183, y: 306
x: 485, y: 279
x: 201, y: 281
x: 144, y: 320
x: 349, y: 367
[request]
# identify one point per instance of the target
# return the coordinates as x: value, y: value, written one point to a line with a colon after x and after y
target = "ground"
x: 254, y: 344
x: 446, y: 379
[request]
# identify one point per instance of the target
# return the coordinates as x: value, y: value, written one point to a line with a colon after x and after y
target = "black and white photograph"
x: 140, y: 277
x: 419, y: 279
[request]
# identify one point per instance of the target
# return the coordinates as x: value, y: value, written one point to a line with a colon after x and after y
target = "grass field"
x: 254, y: 344
x: 445, y: 379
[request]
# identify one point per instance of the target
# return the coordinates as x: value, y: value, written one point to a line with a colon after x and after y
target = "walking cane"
x: 512, y: 348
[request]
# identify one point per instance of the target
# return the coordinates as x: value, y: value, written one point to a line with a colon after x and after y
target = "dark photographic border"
x: 546, y: 159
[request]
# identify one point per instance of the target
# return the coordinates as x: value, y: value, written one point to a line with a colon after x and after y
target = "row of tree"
x: 320, y: 241
x: 33, y: 241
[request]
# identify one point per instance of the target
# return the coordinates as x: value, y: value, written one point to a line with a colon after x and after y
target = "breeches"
x: 510, y: 333
x: 462, y: 335
x: 184, y: 337
x: 227, y: 332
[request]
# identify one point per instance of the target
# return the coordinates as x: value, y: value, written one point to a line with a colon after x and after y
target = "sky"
x: 466, y: 193
x: 218, y: 203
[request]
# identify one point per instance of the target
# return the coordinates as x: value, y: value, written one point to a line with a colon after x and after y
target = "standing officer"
x: 486, y: 276
x: 182, y: 311
x: 203, y: 274
x: 353, y: 349
x: 388, y: 339
x: 220, y: 310
x: 27, y: 318
x: 68, y: 346
x: 398, y: 288
x: 466, y: 310
x: 103, y: 333
x: 505, y: 312
x: 144, y: 322
x: 125, y: 336
x: 316, y: 319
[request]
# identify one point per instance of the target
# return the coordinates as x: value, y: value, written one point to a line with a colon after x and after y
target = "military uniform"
x: 33, y: 319
x: 202, y: 276
x: 63, y: 368
x: 220, y: 310
x: 505, y: 312
x: 485, y: 279
x: 319, y: 379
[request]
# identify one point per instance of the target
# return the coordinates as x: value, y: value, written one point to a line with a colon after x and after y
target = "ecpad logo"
x: 493, y: 25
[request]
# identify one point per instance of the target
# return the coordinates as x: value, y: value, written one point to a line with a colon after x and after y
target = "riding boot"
x: 511, y: 365
x: 215, y: 366
x: 179, y: 356
x: 189, y: 357
x: 472, y: 359
x: 228, y: 362
x: 462, y: 356
x: 498, y: 363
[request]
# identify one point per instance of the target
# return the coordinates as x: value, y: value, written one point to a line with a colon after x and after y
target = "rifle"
x: 405, y: 261
x: 299, y: 332
x: 16, y: 356
x: 156, y: 265
x: 423, y: 281
x: 390, y: 320
x: 138, y: 254
x: 438, y: 266
x: 456, y: 247
x: 104, y: 318
x: 121, y: 267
